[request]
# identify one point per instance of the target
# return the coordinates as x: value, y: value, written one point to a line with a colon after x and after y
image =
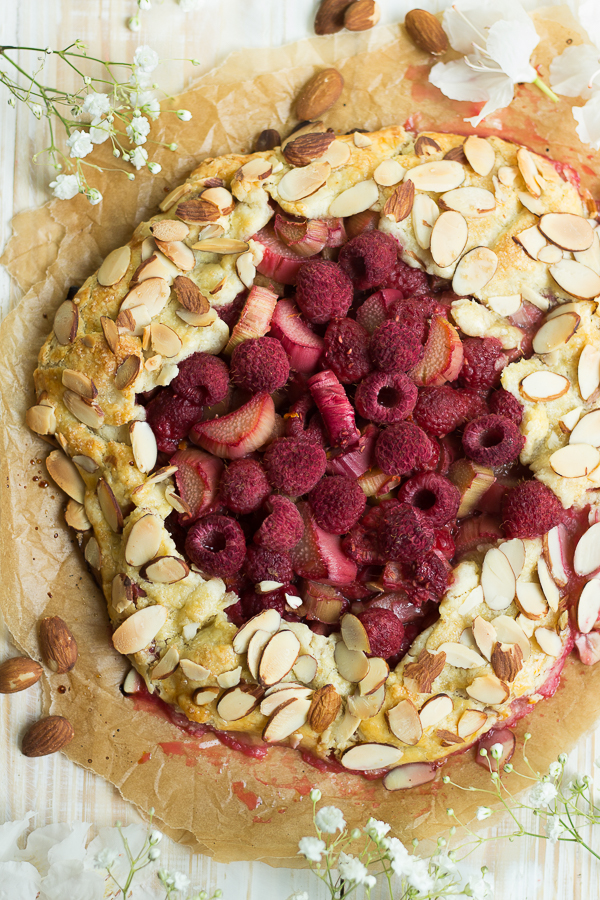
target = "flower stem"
x: 545, y: 89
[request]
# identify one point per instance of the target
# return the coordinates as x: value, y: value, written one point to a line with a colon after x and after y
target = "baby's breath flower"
x: 554, y: 829
x: 351, y: 868
x: 138, y: 158
x: 315, y: 795
x: 180, y: 881
x: 480, y: 888
x: 105, y: 859
x: 184, y: 114
x: 94, y: 196
x: 153, y: 853
x: 145, y: 59
x: 376, y: 829
x: 554, y: 770
x: 312, y: 848
x: 134, y: 24
x: 483, y: 812
x: 418, y: 875
x: 96, y: 104
x: 99, y: 131
x: 37, y: 110
x: 329, y: 819
x: 173, y: 146
x: 496, y: 750
x: 144, y: 4
x: 138, y: 130
x: 154, y: 167
x: 80, y: 144
x: 65, y: 187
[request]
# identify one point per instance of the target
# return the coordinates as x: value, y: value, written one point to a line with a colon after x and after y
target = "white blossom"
x: 151, y: 108
x: 96, y: 104
x: 483, y: 812
x: 144, y: 4
x: 554, y: 770
x: 554, y: 829
x: 376, y: 829
x: 134, y: 24
x: 94, y: 196
x: 298, y: 895
x: 105, y: 859
x: 138, y: 158
x: 398, y: 855
x: 99, y: 131
x: 542, y: 794
x: 80, y: 144
x: 180, y: 881
x: 330, y: 819
x: 184, y: 114
x: 588, y: 121
x: 145, y: 59
x: 315, y: 795
x: 571, y: 73
x: 418, y: 875
x: 189, y: 5
x: 65, y: 187
x: 312, y: 848
x: 351, y: 868
x: 154, y: 167
x: 480, y: 888
x: 138, y: 130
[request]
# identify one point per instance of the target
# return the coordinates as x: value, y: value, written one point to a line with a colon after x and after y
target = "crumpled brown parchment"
x: 211, y: 798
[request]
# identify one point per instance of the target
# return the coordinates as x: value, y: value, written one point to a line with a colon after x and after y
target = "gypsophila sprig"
x: 116, y: 103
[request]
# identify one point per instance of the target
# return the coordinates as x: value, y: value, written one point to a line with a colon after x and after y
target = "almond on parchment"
x: 319, y: 94
x: 19, y: 673
x: 426, y: 32
x: 57, y: 644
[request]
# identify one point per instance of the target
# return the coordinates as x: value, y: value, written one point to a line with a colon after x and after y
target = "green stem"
x: 545, y: 89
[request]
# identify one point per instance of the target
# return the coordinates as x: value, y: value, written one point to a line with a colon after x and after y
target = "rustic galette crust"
x: 90, y: 369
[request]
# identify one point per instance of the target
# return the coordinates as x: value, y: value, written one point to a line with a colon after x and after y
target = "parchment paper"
x: 205, y: 795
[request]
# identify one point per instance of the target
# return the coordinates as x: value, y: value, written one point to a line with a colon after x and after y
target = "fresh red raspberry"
x: 384, y: 630
x: 294, y: 466
x: 216, y: 545
x: 405, y: 533
x: 260, y: 364
x: 436, y: 497
x: 440, y: 410
x: 252, y: 603
x: 386, y: 397
x: 393, y: 347
x: 361, y: 545
x: 411, y: 282
x: 492, y: 440
x: 283, y: 526
x: 368, y: 259
x: 299, y: 425
x: 402, y: 448
x: 230, y: 312
x: 203, y: 379
x: 347, y: 350
x: 266, y: 565
x: 433, y: 573
x: 483, y: 361
x: 323, y: 291
x: 414, y: 314
x: 530, y: 509
x: 503, y: 403
x: 244, y: 486
x: 337, y: 503
x: 170, y: 417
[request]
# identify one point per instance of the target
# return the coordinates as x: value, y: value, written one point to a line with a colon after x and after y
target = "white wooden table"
x: 55, y: 788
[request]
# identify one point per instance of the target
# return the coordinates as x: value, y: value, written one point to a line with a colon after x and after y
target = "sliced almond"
x: 399, y: 204
x: 472, y: 720
x: 533, y: 204
x: 409, y: 775
x: 111, y: 333
x: 164, y: 340
x: 550, y: 254
x: 161, y: 475
x: 587, y: 552
x: 548, y: 585
x: 174, y: 500
x: 231, y: 678
x: 144, y: 540
x: 576, y: 279
x: 352, y: 665
x: 282, y: 686
x: 305, y: 668
x: 575, y: 460
x: 514, y: 551
x: 133, y: 683
x: 375, y: 677
x: 388, y: 173
x: 300, y: 183
x: 198, y: 320
x: 366, y: 706
x: 531, y: 240
x: 344, y: 728
x: 268, y: 620
x: 497, y: 580
x: 435, y: 709
x: 528, y: 625
x: 136, y: 632
x: 507, y: 661
x: 143, y: 445
x: 65, y: 474
x: 485, y: 636
x: 238, y: 702
x: 448, y: 238
x: 246, y: 269
x: 588, y: 371
x: 544, y: 386
x: 221, y: 245
x: 278, y: 657
x: 170, y: 230
x: 354, y: 634
x: 466, y: 638
x: 531, y: 600
x: 480, y: 154
x: 287, y: 719
x: 165, y: 570
x: 156, y: 266
x: 555, y: 551
x: 109, y: 506
x: 66, y: 321
x: 175, y: 195
x: 438, y: 176
x: 337, y: 154
x: 591, y: 256
x: 364, y: 757
x: 555, y: 333
x: 528, y: 170
x: 93, y: 554
x: 426, y: 146
x: 179, y: 254
x: 355, y: 199
x: 306, y: 148
x: 420, y: 675
x: 205, y: 695
x: 75, y: 516
x: 221, y: 197
x: 469, y: 201
x: 568, y: 422
x: 588, y: 607
x: 122, y: 593
x: 587, y: 430
x: 193, y: 671
x: 405, y: 723
x: 505, y: 306
x: 256, y: 645
x: 127, y: 372
x: 79, y: 383
x: 567, y: 231
x: 507, y: 175
x: 256, y: 169
x: 473, y: 599
x: 488, y: 689
x: 549, y: 641
x: 474, y: 271
x: 508, y: 631
x: 88, y: 413
x: 41, y: 419
x: 461, y: 656
x: 274, y: 701
x: 532, y: 296
x: 166, y: 665
x: 153, y: 293
x: 114, y: 266
x: 425, y: 213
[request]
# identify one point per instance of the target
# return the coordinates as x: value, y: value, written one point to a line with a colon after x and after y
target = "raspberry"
x: 282, y: 528
x: 244, y: 486
x: 170, y: 418
x: 323, y: 291
x: 384, y: 630
x: 294, y: 466
x: 436, y: 497
x: 394, y: 347
x: 361, y: 545
x: 337, y: 503
x: 402, y: 448
x: 230, y: 312
x: 386, y: 397
x: 297, y: 424
x: 411, y: 282
x: 203, y: 379
x: 432, y: 573
x: 266, y: 565
x: 492, y: 440
x: 503, y: 403
x: 260, y: 364
x: 440, y: 410
x: 374, y: 310
x: 414, y: 314
x: 368, y: 259
x: 405, y: 533
x: 483, y: 361
x: 252, y: 603
x: 216, y: 545
x: 530, y: 509
x: 347, y: 350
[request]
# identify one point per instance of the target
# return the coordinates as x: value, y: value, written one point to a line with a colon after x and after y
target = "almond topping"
x: 425, y: 213
x: 136, y: 632
x: 143, y: 446
x: 484, y: 634
x: 531, y: 240
x: 575, y: 460
x: 256, y: 645
x: 175, y: 195
x: 474, y: 271
x: 188, y: 294
x: 198, y: 320
x: 88, y: 413
x: 448, y: 238
x: 324, y: 708
x: 435, y: 709
x: 488, y: 689
x: 287, y: 719
x: 75, y: 516
x: 549, y: 641
x: 166, y: 665
x: 567, y: 231
x: 426, y: 146
x: 300, y: 183
x: 238, y: 702
x: 438, y: 176
x: 256, y: 169
x: 551, y: 591
x: 509, y: 631
x: 165, y: 570
x: 355, y: 199
x: 533, y: 204
x: 169, y: 230
x: 41, y: 419
x: 505, y: 306
x: 497, y: 580
x: 354, y: 634
x: 304, y: 149
x: 221, y: 245
x: 362, y: 15
x: 576, y: 279
x: 363, y: 757
x: 448, y: 738
x: 288, y: 692
x: 114, y: 266
x: 588, y: 607
x: 388, y: 173
x: 514, y: 551
x: 205, y: 695
x: 193, y: 671
x: 399, y: 204
x: 79, y: 383
x: 413, y: 774
x: 469, y: 201
x: 109, y: 506
x: 420, y: 675
x: 352, y: 665
x: 588, y: 371
x: 555, y: 551
x: 367, y: 706
x: 470, y: 722
x: 544, y: 386
x: 587, y: 430
x: 305, y: 669
x: 111, y: 333
x: 127, y: 372
x: 65, y: 474
x: 530, y: 600
x: 268, y: 620
x: 246, y: 269
x: 590, y: 257
x: 528, y: 170
x: 153, y: 293
x: 461, y: 656
x: 555, y: 333
x: 179, y: 254
x: 550, y: 254
x: 480, y: 154
x: 405, y: 723
x: 221, y: 197
x: 337, y: 154
x: 144, y: 540
x: 198, y: 210
x: 66, y: 321
x: 375, y: 677
x: 507, y: 661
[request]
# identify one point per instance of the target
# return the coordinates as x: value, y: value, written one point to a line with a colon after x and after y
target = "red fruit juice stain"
x: 186, y: 749
x: 144, y: 758
x: 248, y: 798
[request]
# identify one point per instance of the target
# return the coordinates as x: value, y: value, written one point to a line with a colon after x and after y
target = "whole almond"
x: 399, y: 204
x: 47, y: 736
x: 18, y: 673
x: 307, y: 147
x: 330, y: 16
x: 58, y: 646
x: 362, y: 15
x: 188, y: 294
x: 319, y: 94
x: 324, y: 708
x: 426, y: 32
x: 267, y: 140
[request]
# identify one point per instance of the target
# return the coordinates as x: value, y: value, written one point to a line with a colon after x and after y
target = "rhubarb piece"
x: 369, y: 259
x: 530, y: 509
x: 203, y: 379
x: 376, y: 308
x: 244, y: 486
x: 323, y: 603
x: 306, y: 237
x: 170, y: 417
x: 337, y: 231
x: 503, y: 403
x: 337, y: 503
x: 267, y: 565
x: 282, y: 528
x: 476, y: 532
x: 298, y: 425
x: 335, y: 408
x: 197, y: 479
x: 255, y: 318
x: 302, y: 345
x: 319, y: 556
x: 260, y: 364
x: 361, y: 222
x: 496, y: 736
x: 443, y: 355
x: 385, y: 632
x: 404, y: 533
x: 414, y: 314
x: 294, y: 466
x: 230, y: 312
x: 588, y: 647
x: 393, y: 347
x: 492, y: 440
x: 436, y: 497
x: 386, y: 397
x: 347, y: 350
x: 472, y: 482
x: 216, y: 545
x: 279, y: 261
x: 402, y: 448
x: 239, y: 433
x: 323, y: 291
x: 483, y: 362
x: 356, y: 460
